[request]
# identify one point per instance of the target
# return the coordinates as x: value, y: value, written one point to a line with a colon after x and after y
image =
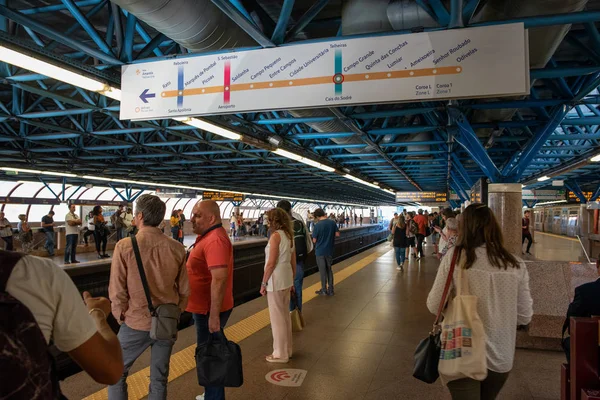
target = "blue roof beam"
x: 574, y: 187
x: 240, y: 19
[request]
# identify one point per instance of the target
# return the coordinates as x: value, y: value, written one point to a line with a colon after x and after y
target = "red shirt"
x: 421, y: 220
x: 212, y: 250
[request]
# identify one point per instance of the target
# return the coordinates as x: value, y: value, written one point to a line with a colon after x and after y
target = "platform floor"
x: 358, y: 344
x: 550, y: 247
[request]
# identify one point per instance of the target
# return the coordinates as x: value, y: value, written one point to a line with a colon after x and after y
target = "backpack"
x: 413, y: 227
x: 26, y: 366
x: 300, y: 240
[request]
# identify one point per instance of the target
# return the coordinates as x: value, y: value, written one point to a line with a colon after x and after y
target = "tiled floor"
x: 360, y: 343
x: 553, y: 248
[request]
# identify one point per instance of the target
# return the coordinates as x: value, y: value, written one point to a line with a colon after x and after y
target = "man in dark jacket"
x: 586, y: 303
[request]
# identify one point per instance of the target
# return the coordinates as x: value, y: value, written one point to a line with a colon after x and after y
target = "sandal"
x: 272, y: 359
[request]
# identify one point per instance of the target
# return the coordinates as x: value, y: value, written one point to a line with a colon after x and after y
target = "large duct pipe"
x: 197, y: 25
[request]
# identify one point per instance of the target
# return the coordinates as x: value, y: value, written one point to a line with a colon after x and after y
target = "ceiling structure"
x: 51, y: 125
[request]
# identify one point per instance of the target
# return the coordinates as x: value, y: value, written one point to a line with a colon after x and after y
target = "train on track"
x: 560, y: 219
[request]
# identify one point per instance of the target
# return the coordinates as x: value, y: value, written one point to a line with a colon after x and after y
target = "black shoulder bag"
x: 165, y: 317
x: 427, y: 354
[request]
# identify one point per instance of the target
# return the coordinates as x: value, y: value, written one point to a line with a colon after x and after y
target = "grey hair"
x: 152, y: 208
x: 452, y: 224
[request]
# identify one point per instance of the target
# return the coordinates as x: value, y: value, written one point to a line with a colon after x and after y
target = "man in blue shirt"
x: 324, y: 234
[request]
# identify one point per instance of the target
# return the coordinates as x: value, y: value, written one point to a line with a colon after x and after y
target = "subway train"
x: 558, y: 219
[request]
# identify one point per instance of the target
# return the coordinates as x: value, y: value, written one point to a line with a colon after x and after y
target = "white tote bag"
x: 463, y: 353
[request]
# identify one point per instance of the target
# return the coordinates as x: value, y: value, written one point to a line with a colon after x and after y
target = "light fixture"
x: 595, y: 158
x: 304, y: 160
x: 355, y: 179
x: 549, y: 202
x: 275, y: 140
x: 55, y: 72
x: 543, y: 178
x: 212, y: 128
x: 37, y: 172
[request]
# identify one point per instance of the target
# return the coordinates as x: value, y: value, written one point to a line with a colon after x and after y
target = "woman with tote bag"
x: 489, y: 290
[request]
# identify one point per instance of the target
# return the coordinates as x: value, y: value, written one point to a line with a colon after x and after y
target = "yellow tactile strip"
x: 557, y: 236
x: 183, y: 361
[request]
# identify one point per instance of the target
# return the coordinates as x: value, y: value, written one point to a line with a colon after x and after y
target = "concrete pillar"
x: 505, y: 200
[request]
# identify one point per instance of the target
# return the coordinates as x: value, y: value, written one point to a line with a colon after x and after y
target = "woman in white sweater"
x: 501, y: 283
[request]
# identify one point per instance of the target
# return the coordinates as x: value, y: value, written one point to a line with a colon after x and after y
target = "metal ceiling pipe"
x: 197, y: 25
x: 406, y: 14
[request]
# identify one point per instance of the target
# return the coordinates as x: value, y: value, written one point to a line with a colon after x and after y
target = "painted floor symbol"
x: 286, y: 377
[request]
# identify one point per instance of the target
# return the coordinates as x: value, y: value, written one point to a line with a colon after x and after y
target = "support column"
x: 505, y: 201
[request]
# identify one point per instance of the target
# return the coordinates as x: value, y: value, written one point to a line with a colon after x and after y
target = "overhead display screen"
x: 223, y: 196
x: 421, y: 197
x: 479, y: 191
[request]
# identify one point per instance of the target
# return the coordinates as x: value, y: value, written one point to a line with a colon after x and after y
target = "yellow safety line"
x: 556, y: 236
x: 183, y: 361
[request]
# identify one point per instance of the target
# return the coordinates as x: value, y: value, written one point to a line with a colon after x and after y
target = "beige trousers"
x: 281, y: 324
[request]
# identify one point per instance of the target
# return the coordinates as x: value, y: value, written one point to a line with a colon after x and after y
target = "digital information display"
x: 223, y: 196
x: 421, y: 197
x: 572, y: 197
x: 27, y: 200
x: 479, y: 191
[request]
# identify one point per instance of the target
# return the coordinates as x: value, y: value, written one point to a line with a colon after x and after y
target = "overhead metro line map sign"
x: 421, y: 197
x: 457, y: 63
x: 222, y: 196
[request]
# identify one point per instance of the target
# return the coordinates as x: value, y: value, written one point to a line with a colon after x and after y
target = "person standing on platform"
x: 400, y: 241
x: 127, y: 222
x: 324, y: 234
x: 117, y: 222
x: 393, y: 221
x: 6, y: 232
x: 446, y: 213
x: 210, y: 270
x: 526, y: 234
x: 25, y: 234
x: 303, y: 245
x: 174, y: 221
x: 48, y: 228
x: 232, y: 225
x: 100, y: 232
x: 411, y: 235
x: 361, y: 219
x: 181, y: 226
x: 500, y: 282
x: 278, y: 283
x: 450, y: 237
x: 163, y: 260
x: 422, y: 221
x: 72, y: 222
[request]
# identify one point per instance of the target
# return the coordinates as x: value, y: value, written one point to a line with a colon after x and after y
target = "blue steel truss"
x: 45, y: 124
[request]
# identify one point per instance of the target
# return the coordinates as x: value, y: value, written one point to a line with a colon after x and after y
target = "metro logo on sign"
x: 458, y: 63
x: 286, y: 377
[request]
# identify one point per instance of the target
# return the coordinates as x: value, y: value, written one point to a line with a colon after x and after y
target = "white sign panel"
x: 473, y: 62
x: 286, y: 377
x: 543, y: 195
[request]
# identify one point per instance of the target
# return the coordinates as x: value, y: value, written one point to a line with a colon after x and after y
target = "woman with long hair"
x: 400, y: 241
x: 500, y: 282
x: 278, y: 282
x: 175, y: 224
x: 100, y: 232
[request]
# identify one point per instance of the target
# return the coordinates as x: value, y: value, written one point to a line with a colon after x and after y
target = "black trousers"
x: 420, y: 239
x: 529, y: 240
x: 9, y: 242
x: 101, y: 238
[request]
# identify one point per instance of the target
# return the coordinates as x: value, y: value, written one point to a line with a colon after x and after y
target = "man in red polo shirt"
x: 210, y: 272
x: 422, y: 221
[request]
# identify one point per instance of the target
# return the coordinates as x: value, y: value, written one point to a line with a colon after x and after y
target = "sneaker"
x: 105, y: 255
x: 75, y: 262
x: 321, y: 292
x: 200, y: 397
x: 330, y: 293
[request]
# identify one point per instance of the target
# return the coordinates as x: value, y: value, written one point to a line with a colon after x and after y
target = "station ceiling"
x: 51, y: 125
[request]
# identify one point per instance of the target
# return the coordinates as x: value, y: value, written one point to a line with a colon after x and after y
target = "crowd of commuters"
x: 201, y: 282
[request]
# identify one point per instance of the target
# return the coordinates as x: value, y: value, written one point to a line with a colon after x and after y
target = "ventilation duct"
x: 197, y: 25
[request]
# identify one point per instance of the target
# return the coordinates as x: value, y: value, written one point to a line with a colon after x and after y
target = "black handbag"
x: 219, y: 362
x: 427, y: 354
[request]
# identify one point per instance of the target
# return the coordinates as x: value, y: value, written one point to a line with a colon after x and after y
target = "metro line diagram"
x: 337, y: 79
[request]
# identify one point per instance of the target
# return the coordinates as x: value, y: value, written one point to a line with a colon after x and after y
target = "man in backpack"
x: 163, y: 261
x: 39, y: 302
x: 303, y: 245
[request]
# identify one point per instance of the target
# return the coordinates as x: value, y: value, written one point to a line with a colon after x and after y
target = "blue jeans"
x: 298, y: 280
x: 400, y: 255
x: 49, y: 246
x: 133, y: 344
x: 201, y: 321
x: 71, y: 247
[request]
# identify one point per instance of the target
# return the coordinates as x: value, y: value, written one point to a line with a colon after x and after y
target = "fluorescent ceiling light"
x: 212, y: 128
x: 550, y: 202
x: 355, y: 179
x: 37, y: 172
x: 543, y: 178
x: 59, y: 73
x: 304, y: 160
x: 595, y: 158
